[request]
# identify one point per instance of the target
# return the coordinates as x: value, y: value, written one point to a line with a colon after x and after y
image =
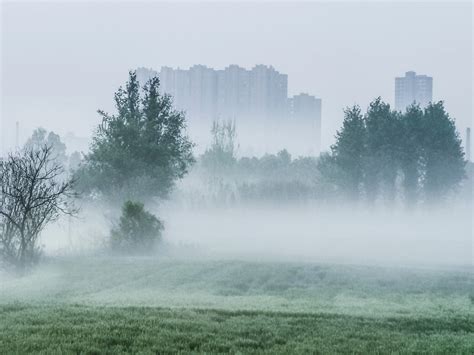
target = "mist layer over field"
x: 432, y: 237
x: 315, y: 234
x: 308, y: 277
x: 244, y: 285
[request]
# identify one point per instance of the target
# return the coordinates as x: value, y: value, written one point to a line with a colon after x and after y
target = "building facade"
x: 413, y: 88
x: 255, y: 97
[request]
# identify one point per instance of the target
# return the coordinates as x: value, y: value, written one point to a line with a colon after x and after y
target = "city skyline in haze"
x: 62, y: 62
x: 256, y: 100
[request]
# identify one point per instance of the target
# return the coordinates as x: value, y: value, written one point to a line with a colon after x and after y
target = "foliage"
x: 349, y: 153
x: 75, y: 160
x: 411, y: 151
x: 443, y: 156
x: 137, y: 231
x: 139, y: 152
x: 31, y: 196
x: 420, y: 149
x: 277, y: 178
x: 270, y: 178
x: 41, y: 138
x: 383, y: 138
x: 222, y: 153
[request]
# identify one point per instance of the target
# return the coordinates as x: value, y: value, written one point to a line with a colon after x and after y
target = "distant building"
x: 305, y: 112
x: 258, y: 96
x: 233, y: 92
x: 411, y: 89
x: 233, y: 96
x: 145, y: 74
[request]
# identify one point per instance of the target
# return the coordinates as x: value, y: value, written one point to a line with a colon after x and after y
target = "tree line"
x: 138, y: 153
x: 415, y: 156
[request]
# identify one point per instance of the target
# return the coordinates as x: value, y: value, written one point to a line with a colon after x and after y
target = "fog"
x: 312, y: 231
x: 62, y: 62
x: 334, y: 235
x: 236, y: 176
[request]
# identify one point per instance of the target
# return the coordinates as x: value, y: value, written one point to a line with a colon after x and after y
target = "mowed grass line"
x: 80, y: 329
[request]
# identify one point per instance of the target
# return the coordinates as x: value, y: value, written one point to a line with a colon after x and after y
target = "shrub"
x: 137, y: 231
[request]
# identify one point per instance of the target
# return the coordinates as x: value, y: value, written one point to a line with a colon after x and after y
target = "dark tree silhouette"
x: 411, y: 151
x: 32, y: 194
x: 350, y: 151
x: 137, y: 231
x: 139, y: 152
x: 419, y: 148
x: 382, y: 150
x: 443, y: 155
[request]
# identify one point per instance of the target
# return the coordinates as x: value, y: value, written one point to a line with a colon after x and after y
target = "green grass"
x: 145, y: 305
x: 82, y: 329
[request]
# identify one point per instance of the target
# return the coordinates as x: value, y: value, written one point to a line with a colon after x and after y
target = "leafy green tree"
x: 139, y: 152
x: 410, y: 153
x: 383, y: 134
x: 443, y: 156
x: 422, y: 149
x: 349, y: 153
x: 137, y: 231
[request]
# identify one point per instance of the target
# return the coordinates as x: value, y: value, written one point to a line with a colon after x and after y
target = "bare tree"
x: 32, y: 194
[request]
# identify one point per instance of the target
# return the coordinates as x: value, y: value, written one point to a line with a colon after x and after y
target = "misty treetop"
x: 139, y: 152
x: 41, y: 138
x: 222, y: 153
x: 417, y: 153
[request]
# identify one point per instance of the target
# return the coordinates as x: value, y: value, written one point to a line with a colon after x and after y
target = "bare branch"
x: 33, y: 193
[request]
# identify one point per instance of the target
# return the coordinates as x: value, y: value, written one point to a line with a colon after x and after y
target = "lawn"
x: 97, y: 305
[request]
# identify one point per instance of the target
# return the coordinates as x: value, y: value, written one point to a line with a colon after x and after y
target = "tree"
x: 411, y: 151
x: 31, y: 196
x: 41, y: 137
x: 349, y: 153
x: 331, y: 175
x: 221, y: 155
x: 139, y: 152
x: 137, y: 231
x: 421, y: 149
x: 443, y: 156
x: 74, y: 162
x: 383, y: 136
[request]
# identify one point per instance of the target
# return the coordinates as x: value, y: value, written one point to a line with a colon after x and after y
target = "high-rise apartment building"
x: 411, y: 89
x: 233, y: 96
x: 305, y: 114
x: 233, y: 92
x: 258, y: 96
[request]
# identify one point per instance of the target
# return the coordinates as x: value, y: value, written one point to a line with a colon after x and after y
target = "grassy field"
x: 146, y: 305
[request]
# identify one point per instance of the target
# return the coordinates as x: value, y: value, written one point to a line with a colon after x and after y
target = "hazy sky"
x: 61, y: 62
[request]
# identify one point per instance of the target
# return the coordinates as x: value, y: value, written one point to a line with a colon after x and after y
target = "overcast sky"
x: 61, y: 62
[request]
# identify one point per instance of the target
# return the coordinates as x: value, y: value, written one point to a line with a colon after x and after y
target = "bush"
x: 137, y: 231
